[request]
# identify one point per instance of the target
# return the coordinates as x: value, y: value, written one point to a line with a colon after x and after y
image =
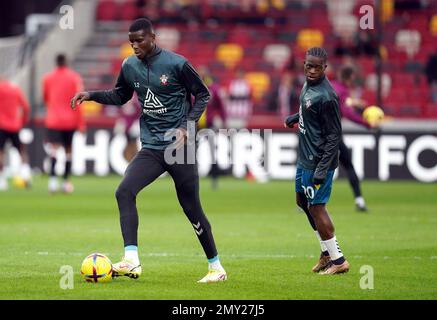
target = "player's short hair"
x: 318, y: 52
x: 61, y: 60
x: 346, y: 72
x: 141, y: 24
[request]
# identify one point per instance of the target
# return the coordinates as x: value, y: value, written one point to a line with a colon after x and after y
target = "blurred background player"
x: 284, y: 98
x: 214, y: 117
x: 61, y: 122
x: 14, y: 114
x: 319, y: 124
x: 239, y: 110
x: 348, y: 108
x: 239, y: 103
x: 127, y: 124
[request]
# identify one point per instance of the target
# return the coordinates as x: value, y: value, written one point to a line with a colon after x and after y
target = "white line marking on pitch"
x: 244, y: 256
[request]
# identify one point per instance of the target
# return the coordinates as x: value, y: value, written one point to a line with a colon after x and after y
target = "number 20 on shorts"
x: 309, y: 191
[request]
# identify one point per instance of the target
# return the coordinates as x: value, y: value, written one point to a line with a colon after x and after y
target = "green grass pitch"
x: 265, y: 243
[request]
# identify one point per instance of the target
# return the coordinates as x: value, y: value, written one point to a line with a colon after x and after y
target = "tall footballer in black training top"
x: 319, y: 138
x: 164, y: 83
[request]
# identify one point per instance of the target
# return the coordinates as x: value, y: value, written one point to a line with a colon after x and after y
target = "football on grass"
x: 96, y: 268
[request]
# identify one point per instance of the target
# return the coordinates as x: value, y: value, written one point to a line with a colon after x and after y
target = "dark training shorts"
x: 12, y: 136
x: 315, y: 194
x: 63, y: 137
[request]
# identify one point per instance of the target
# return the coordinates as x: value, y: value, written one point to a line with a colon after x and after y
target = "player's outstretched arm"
x: 350, y: 114
x: 79, y: 98
x: 118, y: 96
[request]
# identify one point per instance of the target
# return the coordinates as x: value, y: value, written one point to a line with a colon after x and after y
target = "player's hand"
x: 289, y: 122
x: 181, y: 138
x: 79, y: 98
x: 319, y: 178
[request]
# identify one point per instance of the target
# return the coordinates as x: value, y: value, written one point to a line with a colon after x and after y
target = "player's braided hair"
x: 318, y: 52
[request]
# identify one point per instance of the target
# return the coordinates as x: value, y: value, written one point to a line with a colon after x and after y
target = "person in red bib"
x: 61, y: 122
x: 14, y: 114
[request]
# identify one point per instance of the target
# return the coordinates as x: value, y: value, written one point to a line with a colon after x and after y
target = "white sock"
x: 359, y: 201
x: 322, y: 245
x: 215, y: 264
x: 333, y: 248
x: 54, y: 178
x: 26, y: 172
x: 3, y: 181
x: 131, y: 254
x: 53, y: 183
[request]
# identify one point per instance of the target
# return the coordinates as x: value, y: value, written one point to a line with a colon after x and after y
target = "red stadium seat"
x: 431, y: 110
x: 367, y: 64
x: 410, y: 111
x: 397, y: 95
x: 107, y: 10
x: 116, y: 66
x: 129, y: 11
x: 216, y: 40
x: 404, y: 80
x: 369, y: 97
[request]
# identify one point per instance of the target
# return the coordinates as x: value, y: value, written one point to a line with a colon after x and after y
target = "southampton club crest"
x: 308, y: 103
x: 164, y: 80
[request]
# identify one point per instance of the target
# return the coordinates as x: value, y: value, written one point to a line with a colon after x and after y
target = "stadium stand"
x: 265, y: 38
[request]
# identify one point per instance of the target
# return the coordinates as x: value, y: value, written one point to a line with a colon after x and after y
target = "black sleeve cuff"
x: 290, y: 121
